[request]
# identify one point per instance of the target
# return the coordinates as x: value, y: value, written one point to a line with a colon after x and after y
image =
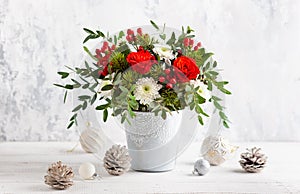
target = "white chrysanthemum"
x: 146, y: 90
x: 202, y: 91
x: 101, y: 85
x: 164, y: 52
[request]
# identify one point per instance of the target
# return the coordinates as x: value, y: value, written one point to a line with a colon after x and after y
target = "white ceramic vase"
x: 147, y: 139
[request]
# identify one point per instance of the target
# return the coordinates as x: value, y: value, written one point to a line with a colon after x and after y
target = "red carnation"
x: 141, y: 61
x: 187, y: 66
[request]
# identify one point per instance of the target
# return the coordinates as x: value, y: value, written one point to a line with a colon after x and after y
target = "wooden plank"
x: 23, y: 165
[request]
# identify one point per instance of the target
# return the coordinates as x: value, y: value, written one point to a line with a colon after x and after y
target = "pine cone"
x: 59, y: 176
x: 117, y: 160
x: 253, y: 160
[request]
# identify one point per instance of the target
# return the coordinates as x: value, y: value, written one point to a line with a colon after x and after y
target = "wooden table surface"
x: 24, y: 164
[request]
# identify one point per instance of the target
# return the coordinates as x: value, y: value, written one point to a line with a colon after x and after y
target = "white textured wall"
x: 257, y: 42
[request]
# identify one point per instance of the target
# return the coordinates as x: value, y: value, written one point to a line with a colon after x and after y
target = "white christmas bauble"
x: 201, y: 167
x: 92, y: 140
x: 87, y: 170
x: 216, y: 149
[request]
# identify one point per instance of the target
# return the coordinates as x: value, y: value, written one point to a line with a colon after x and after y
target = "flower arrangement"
x: 139, y: 72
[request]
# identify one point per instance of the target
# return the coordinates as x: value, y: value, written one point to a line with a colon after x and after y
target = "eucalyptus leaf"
x: 105, y: 115
x: 154, y: 25
x: 63, y: 74
x: 88, y: 31
x: 70, y: 125
x: 107, y: 87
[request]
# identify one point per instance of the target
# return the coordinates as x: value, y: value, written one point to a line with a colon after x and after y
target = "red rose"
x: 187, y: 66
x: 141, y: 61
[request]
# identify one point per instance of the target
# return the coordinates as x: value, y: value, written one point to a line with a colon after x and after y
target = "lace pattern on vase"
x: 146, y: 127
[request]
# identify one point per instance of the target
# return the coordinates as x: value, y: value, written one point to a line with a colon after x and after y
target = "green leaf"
x: 123, y: 118
x: 69, y: 87
x: 172, y: 39
x: 200, y: 120
x: 199, y: 110
x: 107, y: 87
x: 100, y: 34
x: 162, y: 36
x: 92, y: 88
x: 215, y: 64
x: 216, y: 98
x: 91, y: 36
x: 73, y: 117
x: 154, y: 25
x: 225, y: 124
x: 164, y: 114
x: 58, y: 85
x: 65, y: 96
x: 76, y: 82
x: 213, y: 73
x: 84, y: 105
x: 85, y: 86
x: 88, y: 31
x: 69, y: 68
x: 77, y: 108
x: 200, y: 99
x: 223, y: 116
x: 206, y: 56
x: 223, y: 83
x: 70, y: 125
x: 102, y: 107
x: 123, y: 89
x: 63, y: 74
x: 121, y: 34
x: 209, y: 85
x: 217, y: 105
x: 115, y: 39
x: 94, y: 98
x: 84, y: 97
x: 89, y: 53
x: 131, y: 113
x: 224, y: 90
x: 189, y: 30
x: 105, y: 115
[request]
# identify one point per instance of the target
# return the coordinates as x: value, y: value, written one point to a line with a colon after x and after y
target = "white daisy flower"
x: 101, y: 85
x: 202, y: 91
x: 164, y: 52
x: 146, y: 90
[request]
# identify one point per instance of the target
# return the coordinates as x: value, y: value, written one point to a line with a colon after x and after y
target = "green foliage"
x: 200, y: 56
x: 156, y: 71
x: 170, y: 100
x: 93, y: 35
x: 122, y: 100
x: 129, y: 78
x: 118, y: 62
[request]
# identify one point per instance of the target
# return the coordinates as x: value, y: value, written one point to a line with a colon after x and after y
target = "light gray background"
x: 256, y: 42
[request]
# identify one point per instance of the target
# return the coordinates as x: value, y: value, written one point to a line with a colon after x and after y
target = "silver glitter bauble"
x: 201, y: 167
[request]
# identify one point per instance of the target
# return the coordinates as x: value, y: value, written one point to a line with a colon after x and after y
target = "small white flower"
x: 146, y: 90
x: 164, y: 52
x: 102, y: 84
x: 202, y: 91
